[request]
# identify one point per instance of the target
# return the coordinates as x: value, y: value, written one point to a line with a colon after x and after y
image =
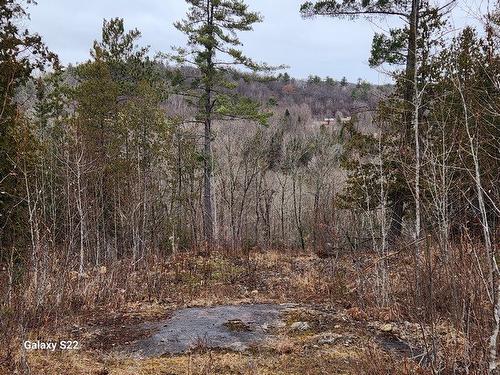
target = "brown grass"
x: 454, y: 317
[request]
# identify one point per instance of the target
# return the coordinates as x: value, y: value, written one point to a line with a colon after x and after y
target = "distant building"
x: 341, y: 118
x: 338, y: 119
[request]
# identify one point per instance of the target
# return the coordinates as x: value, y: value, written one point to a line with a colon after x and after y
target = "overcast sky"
x: 321, y: 46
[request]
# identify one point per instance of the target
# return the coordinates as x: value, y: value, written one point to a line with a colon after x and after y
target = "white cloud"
x: 322, y: 46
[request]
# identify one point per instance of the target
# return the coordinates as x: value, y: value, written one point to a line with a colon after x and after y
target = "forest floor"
x: 324, y: 329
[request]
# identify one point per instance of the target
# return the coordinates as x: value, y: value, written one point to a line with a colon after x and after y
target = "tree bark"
x: 397, y: 196
x: 208, y: 226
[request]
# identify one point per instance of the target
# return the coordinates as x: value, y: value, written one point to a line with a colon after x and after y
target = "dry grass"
x: 121, y: 295
x: 290, y: 361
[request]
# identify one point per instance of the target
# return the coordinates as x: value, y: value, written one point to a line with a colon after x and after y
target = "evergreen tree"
x: 330, y: 81
x: 314, y: 79
x: 121, y: 128
x: 211, y: 27
x: 399, y: 47
x: 127, y: 61
x: 21, y: 53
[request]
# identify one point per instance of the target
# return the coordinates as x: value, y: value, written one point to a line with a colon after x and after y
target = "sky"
x: 320, y: 46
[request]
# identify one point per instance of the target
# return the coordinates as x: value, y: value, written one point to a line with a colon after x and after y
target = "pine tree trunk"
x: 207, y: 183
x: 208, y: 226
x: 397, y: 196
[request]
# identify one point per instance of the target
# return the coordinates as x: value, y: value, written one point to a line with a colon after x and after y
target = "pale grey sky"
x: 321, y: 46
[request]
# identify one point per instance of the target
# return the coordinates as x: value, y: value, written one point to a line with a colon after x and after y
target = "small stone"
x: 289, y: 305
x: 277, y: 324
x: 387, y: 328
x: 336, y: 326
x: 326, y: 339
x: 300, y: 326
x: 254, y: 292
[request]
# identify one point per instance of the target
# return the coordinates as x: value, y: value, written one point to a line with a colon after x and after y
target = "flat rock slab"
x: 233, y: 327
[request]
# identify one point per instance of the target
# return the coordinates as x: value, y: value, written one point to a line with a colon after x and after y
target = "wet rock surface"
x: 242, y: 327
x: 236, y: 327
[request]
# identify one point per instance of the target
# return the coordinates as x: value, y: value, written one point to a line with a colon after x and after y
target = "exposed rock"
x: 273, y: 325
x: 233, y: 327
x: 329, y: 338
x: 387, y: 328
x: 238, y: 347
x: 289, y: 305
x: 300, y: 326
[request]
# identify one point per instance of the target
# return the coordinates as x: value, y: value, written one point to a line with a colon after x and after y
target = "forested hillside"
x: 136, y: 183
x: 138, y: 127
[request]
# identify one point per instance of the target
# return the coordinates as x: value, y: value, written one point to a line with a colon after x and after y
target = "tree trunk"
x: 397, y: 196
x: 208, y: 226
x: 491, y: 256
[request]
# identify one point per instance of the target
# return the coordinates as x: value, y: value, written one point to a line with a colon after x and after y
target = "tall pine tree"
x: 213, y: 49
x: 399, y: 47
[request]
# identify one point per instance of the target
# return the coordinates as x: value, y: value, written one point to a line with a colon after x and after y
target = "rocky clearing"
x: 234, y: 339
x: 271, y: 314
